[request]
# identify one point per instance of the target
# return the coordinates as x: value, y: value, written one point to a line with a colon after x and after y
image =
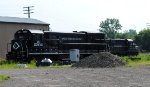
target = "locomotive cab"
x: 133, y: 49
x: 35, y: 42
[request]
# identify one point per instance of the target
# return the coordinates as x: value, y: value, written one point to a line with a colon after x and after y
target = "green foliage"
x: 6, y: 62
x: 131, y: 33
x: 137, y: 61
x: 128, y: 34
x: 32, y: 64
x: 122, y: 36
x: 4, y: 77
x: 7, y: 65
x: 143, y: 39
x: 110, y: 27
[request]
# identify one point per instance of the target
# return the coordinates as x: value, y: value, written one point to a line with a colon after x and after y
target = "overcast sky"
x: 82, y: 15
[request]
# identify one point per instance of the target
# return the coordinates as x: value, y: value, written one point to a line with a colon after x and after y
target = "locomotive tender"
x: 28, y: 44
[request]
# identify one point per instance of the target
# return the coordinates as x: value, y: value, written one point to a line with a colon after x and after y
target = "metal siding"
x: 20, y: 20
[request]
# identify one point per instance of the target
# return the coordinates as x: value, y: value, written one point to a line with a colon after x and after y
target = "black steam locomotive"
x: 28, y: 44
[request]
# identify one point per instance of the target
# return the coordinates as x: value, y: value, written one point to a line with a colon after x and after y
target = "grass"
x: 7, y: 64
x: 132, y: 61
x: 137, y: 61
x: 13, y: 65
x: 4, y: 77
x: 55, y: 65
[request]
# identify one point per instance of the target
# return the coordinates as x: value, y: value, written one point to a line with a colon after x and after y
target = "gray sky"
x: 82, y: 15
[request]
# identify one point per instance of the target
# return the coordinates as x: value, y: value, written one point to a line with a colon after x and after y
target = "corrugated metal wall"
x: 7, y: 31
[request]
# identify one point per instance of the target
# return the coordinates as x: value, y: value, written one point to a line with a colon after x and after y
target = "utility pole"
x: 28, y: 10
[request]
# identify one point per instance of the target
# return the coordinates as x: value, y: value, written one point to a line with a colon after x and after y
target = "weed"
x: 13, y: 65
x: 136, y: 61
x: 4, y: 77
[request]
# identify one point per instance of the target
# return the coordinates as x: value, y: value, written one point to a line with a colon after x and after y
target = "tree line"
x: 112, y: 26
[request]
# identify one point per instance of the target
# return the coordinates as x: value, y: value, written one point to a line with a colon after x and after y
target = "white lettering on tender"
x: 38, y: 43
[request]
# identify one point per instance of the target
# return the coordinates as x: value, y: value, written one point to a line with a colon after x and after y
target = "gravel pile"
x: 100, y: 60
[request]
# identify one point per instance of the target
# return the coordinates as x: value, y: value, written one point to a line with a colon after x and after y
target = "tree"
x: 143, y: 39
x: 110, y: 27
x: 122, y: 35
x: 128, y: 34
x: 131, y: 33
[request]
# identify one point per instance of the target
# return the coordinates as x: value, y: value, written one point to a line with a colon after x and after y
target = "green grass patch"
x: 13, y: 65
x: 137, y: 61
x: 7, y: 64
x: 54, y: 65
x: 4, y: 77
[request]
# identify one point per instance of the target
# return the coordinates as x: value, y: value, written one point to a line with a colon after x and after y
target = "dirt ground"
x: 71, y: 77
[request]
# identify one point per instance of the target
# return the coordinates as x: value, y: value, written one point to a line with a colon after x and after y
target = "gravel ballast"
x: 100, y: 60
x: 71, y: 77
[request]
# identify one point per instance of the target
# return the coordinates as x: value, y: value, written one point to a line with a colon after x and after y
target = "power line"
x: 28, y: 10
x: 148, y: 25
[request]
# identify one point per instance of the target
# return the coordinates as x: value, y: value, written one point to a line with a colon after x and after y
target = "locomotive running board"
x: 55, y: 53
x: 46, y: 53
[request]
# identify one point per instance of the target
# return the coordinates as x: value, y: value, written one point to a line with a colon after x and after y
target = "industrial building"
x: 9, y: 25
